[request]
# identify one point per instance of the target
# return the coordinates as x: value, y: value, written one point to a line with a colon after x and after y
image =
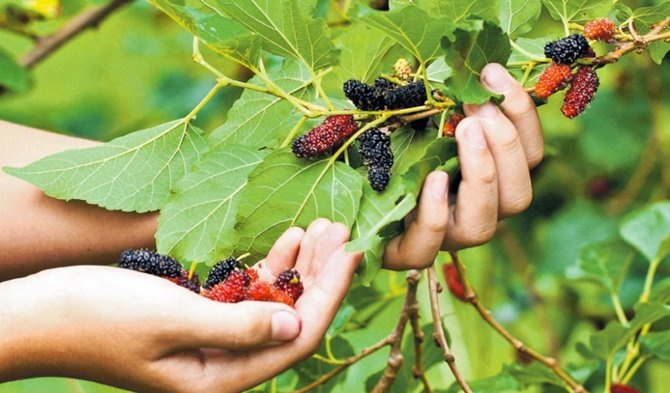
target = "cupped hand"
x: 497, y: 148
x: 144, y: 333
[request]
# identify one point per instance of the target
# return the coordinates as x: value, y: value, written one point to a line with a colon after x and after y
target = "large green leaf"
x: 577, y: 10
x: 645, y: 230
x: 263, y: 120
x: 363, y: 49
x: 518, y: 16
x: 132, y: 173
x: 224, y: 35
x: 657, y: 344
x: 285, y: 191
x: 644, y: 15
x: 12, y: 75
x: 467, y: 53
x: 604, y: 263
x: 285, y: 28
x: 457, y: 10
x: 197, y: 224
x: 421, y: 39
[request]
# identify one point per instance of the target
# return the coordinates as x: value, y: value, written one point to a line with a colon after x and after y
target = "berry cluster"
x: 449, y: 128
x: 581, y: 92
x: 228, y: 281
x: 384, y: 94
x: 375, y: 149
x: 331, y: 132
x: 454, y: 282
x: 568, y: 49
x: 600, y: 30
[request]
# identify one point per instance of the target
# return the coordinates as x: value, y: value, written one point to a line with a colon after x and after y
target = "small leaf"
x: 535, y: 374
x: 285, y: 191
x: 518, y: 16
x: 342, y: 316
x: 658, y: 344
x: 467, y: 53
x: 577, y: 10
x: 503, y: 382
x: 197, y: 224
x: 285, y: 28
x: 604, y: 263
x: 644, y: 15
x: 436, y: 154
x: 132, y: 173
x: 12, y: 75
x: 646, y: 230
x: 661, y: 292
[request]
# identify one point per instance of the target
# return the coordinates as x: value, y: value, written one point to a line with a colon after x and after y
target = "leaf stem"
x: 526, y: 74
x: 608, y: 375
x: 618, y: 308
x: 443, y: 119
x: 293, y: 132
x: 219, y: 84
x: 352, y: 138
x: 631, y: 373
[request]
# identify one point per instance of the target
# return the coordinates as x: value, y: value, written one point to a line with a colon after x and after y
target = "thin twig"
x: 418, y: 370
x: 439, y: 335
x: 472, y: 298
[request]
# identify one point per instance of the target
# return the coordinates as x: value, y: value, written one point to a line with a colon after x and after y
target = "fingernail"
x: 473, y: 135
x: 439, y: 185
x: 285, y: 326
x: 488, y: 109
x: 496, y: 78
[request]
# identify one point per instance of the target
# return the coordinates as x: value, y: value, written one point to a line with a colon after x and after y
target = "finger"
x: 422, y: 240
x: 514, y: 187
x: 308, y: 243
x: 330, y: 240
x: 475, y: 213
x: 519, y: 108
x: 282, y: 256
x: 235, y: 327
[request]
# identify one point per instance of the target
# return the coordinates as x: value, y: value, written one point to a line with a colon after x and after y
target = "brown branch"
x: 471, y: 297
x: 87, y: 19
x: 418, y: 371
x: 438, y: 335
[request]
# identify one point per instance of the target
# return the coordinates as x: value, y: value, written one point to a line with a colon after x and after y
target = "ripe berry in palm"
x: 151, y: 262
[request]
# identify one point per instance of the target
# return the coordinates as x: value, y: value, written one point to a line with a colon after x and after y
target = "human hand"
x: 144, y: 333
x: 496, y: 149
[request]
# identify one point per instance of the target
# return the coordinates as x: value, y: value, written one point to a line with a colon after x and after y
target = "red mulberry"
x: 322, y: 138
x: 617, y: 388
x: 289, y: 282
x: 449, y: 129
x: 581, y: 92
x: 454, y: 282
x: 568, y: 49
x: 552, y: 80
x: 232, y: 290
x: 601, y: 29
x: 148, y: 261
x: 262, y: 291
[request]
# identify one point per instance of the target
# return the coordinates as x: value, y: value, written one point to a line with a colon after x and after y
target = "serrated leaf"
x: 467, y: 53
x: 646, y: 229
x: 263, y: 120
x: 132, y: 173
x: 456, y: 10
x: 284, y: 27
x: 518, y: 17
x: 285, y: 191
x: 604, y: 263
x: 197, y: 224
x: 577, y: 10
x: 224, y: 35
x: 644, y: 15
x: 422, y: 39
x: 362, y: 51
x: 657, y: 344
x: 12, y: 75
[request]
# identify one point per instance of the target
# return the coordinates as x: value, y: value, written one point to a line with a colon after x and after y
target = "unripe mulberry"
x: 364, y: 96
x: 148, y: 261
x: 414, y: 94
x: 600, y: 29
x: 454, y: 282
x: 449, y: 129
x: 581, y: 92
x: 322, y: 138
x: 289, y: 282
x: 221, y: 271
x: 262, y: 291
x: 568, y: 49
x: 232, y: 290
x: 552, y: 80
x: 402, y: 69
x: 618, y: 388
x: 375, y: 149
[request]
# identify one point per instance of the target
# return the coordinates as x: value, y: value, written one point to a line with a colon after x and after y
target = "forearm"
x: 38, y: 232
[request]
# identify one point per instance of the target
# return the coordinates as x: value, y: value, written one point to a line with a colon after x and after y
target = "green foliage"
x: 12, y: 75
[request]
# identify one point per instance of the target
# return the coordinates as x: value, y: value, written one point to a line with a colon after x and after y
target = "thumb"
x: 238, y: 326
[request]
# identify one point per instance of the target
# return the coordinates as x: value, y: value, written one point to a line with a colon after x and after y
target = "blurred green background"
x: 135, y: 71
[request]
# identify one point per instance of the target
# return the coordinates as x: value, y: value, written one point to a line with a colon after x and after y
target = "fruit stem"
x: 293, y: 132
x: 191, y: 270
x: 204, y: 101
x: 443, y: 119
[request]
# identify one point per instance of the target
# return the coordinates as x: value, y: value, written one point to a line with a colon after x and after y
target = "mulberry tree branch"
x: 85, y: 20
x: 439, y: 335
x: 418, y: 371
x: 472, y: 298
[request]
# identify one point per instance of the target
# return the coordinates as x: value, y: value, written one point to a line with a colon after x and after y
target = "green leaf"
x: 285, y: 191
x: 467, y: 53
x: 661, y: 292
x: 132, y: 173
x: 529, y: 46
x: 658, y: 50
x: 12, y: 75
x: 604, y: 263
x: 197, y: 224
x: 518, y: 17
x: 457, y: 11
x: 421, y: 39
x: 500, y: 383
x: 222, y: 34
x: 535, y: 374
x: 285, y: 28
x: 436, y: 154
x: 409, y: 146
x: 646, y: 229
x: 342, y: 316
x: 658, y: 344
x: 644, y: 15
x: 577, y: 10
x: 263, y: 120
x: 438, y: 71
x: 363, y: 49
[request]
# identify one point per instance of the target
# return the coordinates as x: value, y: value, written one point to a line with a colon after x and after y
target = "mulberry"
x: 384, y: 84
x: 148, y: 261
x: 454, y: 282
x: 289, y: 283
x: 221, y: 271
x: 408, y: 96
x: 333, y: 131
x: 375, y: 149
x: 379, y: 177
x: 262, y: 291
x: 232, y: 290
x: 581, y: 92
x: 364, y: 97
x: 450, y: 125
x: 402, y: 69
x: 552, y: 79
x: 568, y: 49
x: 192, y: 285
x: 618, y: 388
x: 601, y: 29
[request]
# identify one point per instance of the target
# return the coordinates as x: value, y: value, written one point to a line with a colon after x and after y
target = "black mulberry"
x: 375, y: 150
x: 364, y: 96
x: 408, y: 96
x: 221, y: 271
x: 568, y: 49
x: 151, y: 262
